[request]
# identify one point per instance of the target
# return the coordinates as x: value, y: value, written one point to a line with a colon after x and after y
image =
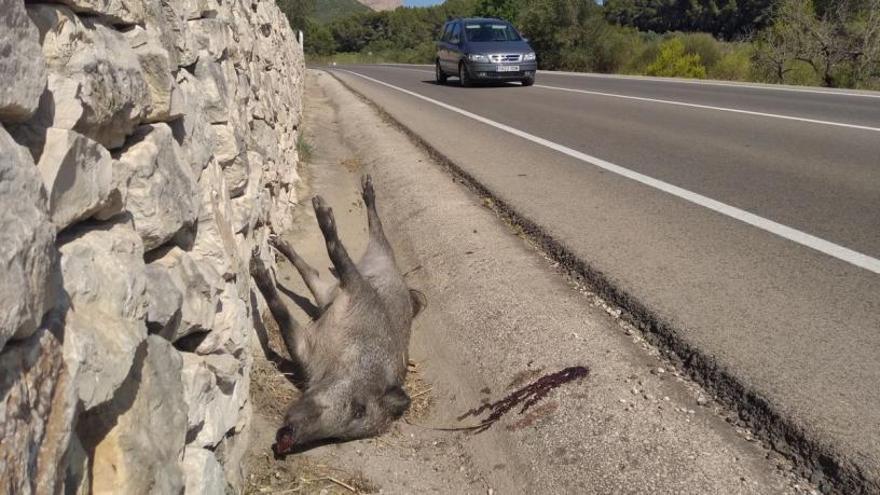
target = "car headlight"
x: 476, y: 57
x: 529, y: 57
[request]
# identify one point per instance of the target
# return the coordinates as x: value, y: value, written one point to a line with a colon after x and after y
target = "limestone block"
x: 211, y: 36
x: 96, y: 85
x: 232, y: 325
x: 233, y: 448
x: 165, y: 19
x: 200, y: 285
x: 116, y: 11
x: 227, y: 143
x: 27, y: 238
x: 157, y: 67
x: 203, y: 474
x: 215, y: 242
x: 237, y: 175
x: 103, y: 271
x: 138, y: 438
x: 248, y: 207
x: 215, y: 390
x: 162, y: 195
x: 22, y: 70
x: 165, y: 300
x: 196, y: 9
x: 77, y: 173
x: 37, y: 406
x: 193, y: 131
x: 199, y: 390
x: 215, y: 88
x: 222, y: 412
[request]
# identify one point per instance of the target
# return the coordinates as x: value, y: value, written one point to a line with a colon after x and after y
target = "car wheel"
x: 528, y: 81
x: 439, y: 76
x: 463, y: 77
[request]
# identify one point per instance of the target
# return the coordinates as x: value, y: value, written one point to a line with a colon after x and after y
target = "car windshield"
x: 490, y: 31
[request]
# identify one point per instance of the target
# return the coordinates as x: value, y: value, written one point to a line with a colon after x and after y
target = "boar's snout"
x: 284, y: 441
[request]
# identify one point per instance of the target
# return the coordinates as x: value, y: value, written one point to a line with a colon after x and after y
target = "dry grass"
x: 303, y: 476
x: 419, y: 392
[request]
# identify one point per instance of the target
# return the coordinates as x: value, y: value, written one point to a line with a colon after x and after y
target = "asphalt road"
x: 746, y: 219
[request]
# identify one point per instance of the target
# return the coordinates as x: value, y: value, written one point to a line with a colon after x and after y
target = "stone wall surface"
x: 147, y: 149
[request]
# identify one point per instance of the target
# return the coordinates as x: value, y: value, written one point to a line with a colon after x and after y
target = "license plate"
x: 508, y: 68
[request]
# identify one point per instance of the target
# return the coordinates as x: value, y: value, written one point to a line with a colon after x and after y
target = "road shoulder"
x: 499, y: 317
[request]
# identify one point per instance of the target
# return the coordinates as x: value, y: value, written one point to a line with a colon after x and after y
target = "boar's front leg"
x: 346, y: 270
x: 287, y: 324
x: 321, y: 289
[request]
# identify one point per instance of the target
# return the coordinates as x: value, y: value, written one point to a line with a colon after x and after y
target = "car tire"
x: 439, y: 75
x: 463, y: 77
x: 528, y: 81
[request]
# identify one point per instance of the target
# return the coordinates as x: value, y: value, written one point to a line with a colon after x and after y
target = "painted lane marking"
x: 671, y: 80
x: 709, y: 107
x: 727, y: 84
x: 685, y: 104
x: 804, y: 239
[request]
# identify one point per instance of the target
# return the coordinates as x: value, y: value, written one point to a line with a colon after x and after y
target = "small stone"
x: 658, y: 371
x: 702, y: 401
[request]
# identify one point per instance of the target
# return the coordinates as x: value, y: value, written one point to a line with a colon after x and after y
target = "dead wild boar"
x: 355, y: 353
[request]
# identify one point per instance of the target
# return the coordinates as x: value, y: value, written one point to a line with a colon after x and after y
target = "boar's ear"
x: 395, y: 401
x: 419, y: 302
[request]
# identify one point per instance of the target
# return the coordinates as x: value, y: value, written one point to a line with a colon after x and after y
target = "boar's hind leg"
x: 286, y: 323
x: 321, y: 289
x: 377, y: 235
x: 345, y: 268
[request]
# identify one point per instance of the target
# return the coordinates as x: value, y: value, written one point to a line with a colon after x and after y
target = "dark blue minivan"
x: 484, y: 49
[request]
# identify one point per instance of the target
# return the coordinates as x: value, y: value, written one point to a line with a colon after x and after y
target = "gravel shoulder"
x: 499, y: 317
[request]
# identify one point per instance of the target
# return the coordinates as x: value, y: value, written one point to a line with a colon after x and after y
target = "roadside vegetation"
x: 834, y: 43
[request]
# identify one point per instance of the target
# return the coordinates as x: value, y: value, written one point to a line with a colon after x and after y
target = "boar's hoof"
x: 368, y: 193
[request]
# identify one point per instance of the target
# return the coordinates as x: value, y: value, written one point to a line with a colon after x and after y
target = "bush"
x: 735, y: 64
x: 674, y: 62
x: 702, y: 44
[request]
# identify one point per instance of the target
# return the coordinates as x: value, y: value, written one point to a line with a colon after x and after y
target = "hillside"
x: 328, y: 10
x: 382, y: 4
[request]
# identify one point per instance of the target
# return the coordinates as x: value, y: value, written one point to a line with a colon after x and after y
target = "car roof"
x: 477, y: 19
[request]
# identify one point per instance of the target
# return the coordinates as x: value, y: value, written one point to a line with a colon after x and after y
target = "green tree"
x: 673, y: 61
x: 509, y: 10
x: 297, y: 12
x: 841, y: 43
x: 727, y: 19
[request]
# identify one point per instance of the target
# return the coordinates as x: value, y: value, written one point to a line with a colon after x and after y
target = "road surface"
x: 742, y: 221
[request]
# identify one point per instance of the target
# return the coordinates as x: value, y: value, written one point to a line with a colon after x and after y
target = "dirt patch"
x: 354, y: 164
x: 304, y: 476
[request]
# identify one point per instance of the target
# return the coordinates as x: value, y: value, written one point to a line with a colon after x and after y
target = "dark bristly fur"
x: 355, y: 353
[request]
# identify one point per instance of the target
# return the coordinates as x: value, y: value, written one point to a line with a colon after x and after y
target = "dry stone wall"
x: 147, y: 148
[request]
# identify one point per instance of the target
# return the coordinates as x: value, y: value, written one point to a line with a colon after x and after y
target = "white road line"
x: 703, y: 82
x: 709, y: 107
x: 685, y: 104
x: 834, y: 250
